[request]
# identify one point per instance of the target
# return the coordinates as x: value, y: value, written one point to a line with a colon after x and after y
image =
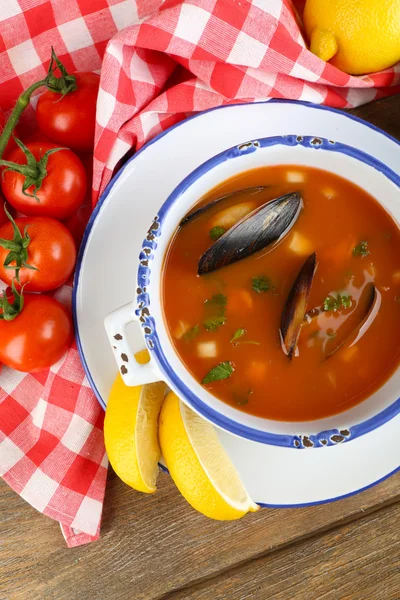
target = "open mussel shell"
x: 257, y: 230
x: 367, y: 309
x: 199, y: 211
x: 296, y: 306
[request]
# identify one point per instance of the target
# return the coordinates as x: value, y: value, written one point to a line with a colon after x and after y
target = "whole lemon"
x: 357, y: 36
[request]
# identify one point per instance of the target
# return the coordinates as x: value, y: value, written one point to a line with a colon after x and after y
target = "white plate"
x: 105, y: 279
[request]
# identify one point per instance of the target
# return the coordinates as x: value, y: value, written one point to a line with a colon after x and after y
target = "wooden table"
x: 157, y: 547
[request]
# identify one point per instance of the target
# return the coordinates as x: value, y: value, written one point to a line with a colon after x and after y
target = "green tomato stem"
x: 18, y: 109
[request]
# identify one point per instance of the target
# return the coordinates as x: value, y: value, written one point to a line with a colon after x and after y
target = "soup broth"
x: 226, y: 325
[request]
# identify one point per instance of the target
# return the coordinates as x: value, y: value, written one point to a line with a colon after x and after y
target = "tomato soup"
x: 228, y: 325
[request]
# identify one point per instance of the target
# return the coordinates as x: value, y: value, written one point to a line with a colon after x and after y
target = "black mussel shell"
x: 296, y: 306
x: 366, y: 311
x: 262, y: 227
x: 199, y: 211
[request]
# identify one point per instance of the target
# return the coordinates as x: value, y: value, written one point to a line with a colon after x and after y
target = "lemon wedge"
x: 199, y: 465
x: 130, y: 431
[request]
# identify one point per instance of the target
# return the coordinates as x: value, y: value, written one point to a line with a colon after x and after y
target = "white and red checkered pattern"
x: 193, y: 55
x: 165, y: 61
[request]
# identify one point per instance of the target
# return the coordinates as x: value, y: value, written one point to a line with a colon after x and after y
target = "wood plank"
x: 358, y: 561
x: 382, y: 113
x: 156, y: 544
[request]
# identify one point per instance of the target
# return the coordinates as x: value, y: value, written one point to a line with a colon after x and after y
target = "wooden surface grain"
x: 157, y: 548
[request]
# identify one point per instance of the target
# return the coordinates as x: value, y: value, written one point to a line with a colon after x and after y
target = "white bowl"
x: 341, y: 159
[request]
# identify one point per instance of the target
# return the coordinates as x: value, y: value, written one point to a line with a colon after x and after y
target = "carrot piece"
x: 239, y: 300
x: 257, y: 370
x: 349, y: 354
x: 340, y: 252
x: 396, y: 277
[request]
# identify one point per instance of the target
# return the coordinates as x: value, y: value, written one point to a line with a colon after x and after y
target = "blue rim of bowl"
x: 324, y: 438
x: 97, y: 210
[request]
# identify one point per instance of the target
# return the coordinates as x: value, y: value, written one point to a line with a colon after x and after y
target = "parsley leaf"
x: 191, y: 334
x: 261, y: 284
x: 241, y: 399
x: 221, y: 371
x: 212, y: 323
x: 216, y: 232
x: 361, y: 249
x: 346, y: 301
x: 238, y: 333
x: 215, y: 312
x: 341, y: 301
x: 217, y: 299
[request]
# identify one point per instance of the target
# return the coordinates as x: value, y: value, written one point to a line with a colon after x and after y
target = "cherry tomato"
x: 11, y: 145
x: 51, y: 250
x: 63, y: 188
x: 3, y: 216
x: 38, y: 337
x: 70, y: 120
x: 77, y: 223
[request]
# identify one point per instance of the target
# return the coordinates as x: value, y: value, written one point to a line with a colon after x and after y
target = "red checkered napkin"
x: 197, y: 54
x: 165, y: 61
x: 51, y: 426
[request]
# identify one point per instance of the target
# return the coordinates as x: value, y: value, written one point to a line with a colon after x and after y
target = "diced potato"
x: 396, y: 277
x: 142, y: 357
x: 257, y: 370
x: 207, y: 349
x: 300, y: 244
x: 228, y: 217
x: 349, y: 354
x: 181, y: 329
x: 329, y: 192
x: 239, y: 300
x: 295, y: 177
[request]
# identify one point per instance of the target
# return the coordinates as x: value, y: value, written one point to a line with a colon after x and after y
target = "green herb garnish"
x: 221, y: 371
x: 212, y: 323
x: 216, y: 232
x: 341, y: 301
x: 217, y: 299
x: 215, y: 311
x: 241, y: 399
x: 260, y: 284
x: 238, y: 334
x: 361, y: 249
x: 191, y: 334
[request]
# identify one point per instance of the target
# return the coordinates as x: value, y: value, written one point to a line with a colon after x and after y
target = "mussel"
x: 254, y: 232
x: 364, y: 315
x: 199, y: 211
x: 296, y: 306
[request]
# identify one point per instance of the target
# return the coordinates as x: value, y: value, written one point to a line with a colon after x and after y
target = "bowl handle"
x: 131, y: 371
